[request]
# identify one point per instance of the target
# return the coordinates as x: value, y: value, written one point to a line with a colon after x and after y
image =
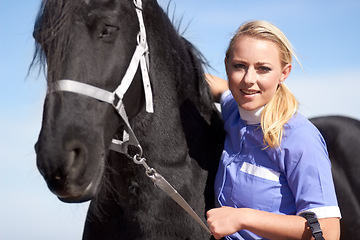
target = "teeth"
x: 248, y: 92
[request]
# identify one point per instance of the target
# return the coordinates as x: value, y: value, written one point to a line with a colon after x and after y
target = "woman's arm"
x: 225, y: 221
x: 217, y: 86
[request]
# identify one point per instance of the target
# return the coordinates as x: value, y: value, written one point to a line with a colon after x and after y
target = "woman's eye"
x: 264, y: 69
x: 239, y: 66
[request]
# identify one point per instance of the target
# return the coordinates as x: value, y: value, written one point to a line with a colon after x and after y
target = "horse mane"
x: 53, y: 35
x: 198, y: 60
x: 206, y: 101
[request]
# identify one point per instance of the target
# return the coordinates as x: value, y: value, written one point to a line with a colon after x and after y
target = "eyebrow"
x: 262, y: 63
x: 245, y: 62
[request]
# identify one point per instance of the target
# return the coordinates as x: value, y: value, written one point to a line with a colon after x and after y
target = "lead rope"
x: 140, y: 57
x: 164, y: 185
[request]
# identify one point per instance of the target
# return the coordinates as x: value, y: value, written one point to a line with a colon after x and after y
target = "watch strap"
x: 313, y: 224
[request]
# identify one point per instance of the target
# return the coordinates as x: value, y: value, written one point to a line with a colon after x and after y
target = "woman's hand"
x: 217, y: 86
x: 224, y: 221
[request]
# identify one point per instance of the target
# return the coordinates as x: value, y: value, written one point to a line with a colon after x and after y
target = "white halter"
x: 115, y: 98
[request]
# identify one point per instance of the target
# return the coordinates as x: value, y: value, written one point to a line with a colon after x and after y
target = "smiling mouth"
x: 249, y: 92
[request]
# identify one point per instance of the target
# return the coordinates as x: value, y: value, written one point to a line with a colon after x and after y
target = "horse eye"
x: 108, y: 31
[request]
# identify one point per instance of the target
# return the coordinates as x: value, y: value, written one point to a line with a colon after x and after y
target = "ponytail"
x: 276, y: 113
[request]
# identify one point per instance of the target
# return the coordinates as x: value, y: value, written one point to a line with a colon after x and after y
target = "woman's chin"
x: 249, y: 106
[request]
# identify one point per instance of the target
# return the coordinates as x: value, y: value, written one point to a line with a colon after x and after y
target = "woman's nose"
x: 250, y: 76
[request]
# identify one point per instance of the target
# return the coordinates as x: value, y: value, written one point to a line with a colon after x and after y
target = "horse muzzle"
x: 67, y: 172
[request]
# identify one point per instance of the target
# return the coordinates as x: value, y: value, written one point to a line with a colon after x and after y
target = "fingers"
x: 223, y: 221
x: 212, y: 223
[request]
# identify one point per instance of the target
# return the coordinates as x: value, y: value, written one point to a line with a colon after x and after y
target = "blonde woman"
x: 275, y: 166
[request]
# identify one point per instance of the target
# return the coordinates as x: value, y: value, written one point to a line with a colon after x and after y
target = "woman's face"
x: 254, y: 71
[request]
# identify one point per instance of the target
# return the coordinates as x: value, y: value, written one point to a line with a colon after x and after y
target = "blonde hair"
x: 283, y: 104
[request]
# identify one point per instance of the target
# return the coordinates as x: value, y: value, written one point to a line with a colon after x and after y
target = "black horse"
x: 342, y: 136
x: 92, y: 42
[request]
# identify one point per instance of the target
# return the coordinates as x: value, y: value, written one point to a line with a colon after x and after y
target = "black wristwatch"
x: 313, y: 224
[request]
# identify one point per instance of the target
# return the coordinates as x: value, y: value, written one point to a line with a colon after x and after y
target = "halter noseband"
x: 115, y: 98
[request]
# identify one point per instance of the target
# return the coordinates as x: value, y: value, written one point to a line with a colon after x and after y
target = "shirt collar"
x: 251, y: 117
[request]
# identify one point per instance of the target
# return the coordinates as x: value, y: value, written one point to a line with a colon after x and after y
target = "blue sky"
x: 325, y: 35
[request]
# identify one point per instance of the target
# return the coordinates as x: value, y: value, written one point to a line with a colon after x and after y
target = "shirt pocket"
x: 256, y: 187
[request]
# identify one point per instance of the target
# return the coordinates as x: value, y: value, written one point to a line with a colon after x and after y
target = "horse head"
x: 90, y: 42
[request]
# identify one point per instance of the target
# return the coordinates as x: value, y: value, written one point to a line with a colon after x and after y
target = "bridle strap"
x: 144, y: 61
x: 84, y: 89
x: 115, y: 98
x: 105, y: 96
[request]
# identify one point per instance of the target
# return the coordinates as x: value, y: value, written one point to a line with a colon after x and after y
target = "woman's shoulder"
x: 298, y: 123
x: 299, y: 129
x: 226, y: 97
x: 228, y: 105
x: 302, y: 141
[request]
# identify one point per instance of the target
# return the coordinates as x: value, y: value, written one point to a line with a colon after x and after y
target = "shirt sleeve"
x: 228, y: 105
x: 308, y: 171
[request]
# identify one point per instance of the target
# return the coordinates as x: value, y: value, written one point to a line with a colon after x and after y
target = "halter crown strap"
x: 144, y: 61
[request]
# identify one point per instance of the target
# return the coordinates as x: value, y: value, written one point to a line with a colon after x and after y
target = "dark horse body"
x: 342, y: 136
x: 92, y: 41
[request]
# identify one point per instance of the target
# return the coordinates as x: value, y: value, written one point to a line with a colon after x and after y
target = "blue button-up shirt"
x: 288, y: 180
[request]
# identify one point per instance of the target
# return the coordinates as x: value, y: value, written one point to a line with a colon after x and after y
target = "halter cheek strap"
x: 144, y: 60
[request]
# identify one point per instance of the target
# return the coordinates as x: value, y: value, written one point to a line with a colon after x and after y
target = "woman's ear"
x: 285, y: 73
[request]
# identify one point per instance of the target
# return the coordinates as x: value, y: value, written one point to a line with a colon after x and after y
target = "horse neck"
x: 175, y: 65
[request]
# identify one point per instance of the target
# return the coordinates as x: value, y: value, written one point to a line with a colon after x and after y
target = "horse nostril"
x: 75, y: 149
x: 74, y: 154
x: 77, y: 155
x: 75, y: 159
